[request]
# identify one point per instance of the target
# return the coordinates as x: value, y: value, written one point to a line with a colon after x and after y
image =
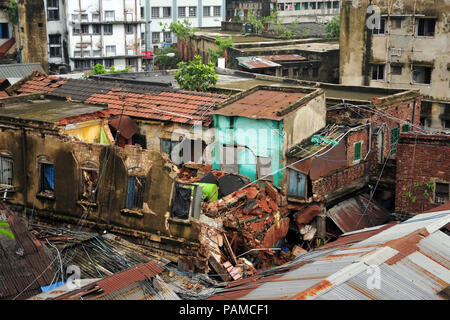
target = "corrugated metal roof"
x: 19, y: 70
x: 358, y: 213
x: 257, y: 63
x: 406, y: 271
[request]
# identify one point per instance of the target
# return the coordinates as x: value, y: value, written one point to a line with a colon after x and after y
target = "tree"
x: 161, y: 58
x: 12, y: 10
x: 196, y: 76
x: 332, y: 28
x: 182, y: 30
x: 223, y: 45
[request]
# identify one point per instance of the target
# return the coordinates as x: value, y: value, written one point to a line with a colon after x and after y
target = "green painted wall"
x: 261, y: 138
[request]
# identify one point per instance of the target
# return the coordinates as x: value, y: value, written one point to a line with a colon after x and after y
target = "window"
x: 167, y: 12
x: 130, y: 16
x: 297, y: 184
x: 329, y: 4
x: 336, y: 4
x: 6, y: 170
x: 89, y: 178
x: 142, y: 12
x: 207, y: 11
x: 297, y: 6
x: 129, y: 28
x: 97, y: 61
x: 143, y: 41
x: 76, y: 30
x: 378, y: 72
x: 86, y: 64
x: 4, y: 31
x: 167, y: 37
x: 285, y: 72
x: 108, y: 63
x: 312, y: 5
x: 75, y: 17
x: 382, y: 28
x: 96, y: 17
x: 358, y: 152
x: 135, y: 192
x: 305, y: 5
x: 85, y: 29
x: 446, y: 124
x: 422, y: 74
x: 155, y: 12
x: 182, y: 11
x: 77, y: 53
x: 319, y: 5
x: 108, y: 29
x: 132, y: 62
x: 156, y: 37
x: 55, y: 52
x: 97, y: 53
x: 110, y: 50
x: 96, y: 29
x: 305, y: 72
x: 264, y: 168
x: 405, y: 127
x: 109, y: 15
x: 52, y: 10
x: 54, y: 39
x: 46, y: 178
x: 396, y: 70
x: 86, y: 53
x: 441, y: 194
x: 192, y: 11
x: 77, y: 65
x: 216, y: 11
x: 394, y: 140
x: 84, y: 17
x: 396, y: 23
x: 426, y: 27
x: 168, y: 145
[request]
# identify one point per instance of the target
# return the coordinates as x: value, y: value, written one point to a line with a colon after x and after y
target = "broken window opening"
x: 422, y: 74
x: 89, y: 179
x: 181, y: 202
x: 426, y: 27
x: 297, y: 184
x: 382, y: 29
x: 6, y: 171
x: 442, y: 191
x: 135, y: 192
x: 378, y: 72
x: 46, y: 178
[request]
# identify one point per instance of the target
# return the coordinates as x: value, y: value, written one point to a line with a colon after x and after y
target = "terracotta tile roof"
x: 40, y: 83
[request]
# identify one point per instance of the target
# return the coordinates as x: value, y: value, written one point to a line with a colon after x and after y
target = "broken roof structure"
x: 146, y: 100
x: 408, y: 260
x: 25, y: 263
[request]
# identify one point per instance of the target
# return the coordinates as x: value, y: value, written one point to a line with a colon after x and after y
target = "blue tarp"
x: 49, y: 177
x: 51, y: 287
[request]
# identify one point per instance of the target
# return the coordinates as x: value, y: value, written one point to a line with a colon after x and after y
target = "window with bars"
x: 156, y: 37
x: 76, y: 30
x: 85, y: 29
x: 6, y: 171
x: 52, y: 10
x: 135, y: 192
x: 55, y: 52
x: 441, y: 193
x: 378, y: 72
x: 96, y: 17
x: 207, y: 11
x: 216, y: 11
x: 129, y: 28
x: 54, y: 39
x: 110, y: 50
x: 108, y: 29
x: 155, y: 12
x: 167, y: 37
x: 167, y: 12
x: 108, y: 63
x: 192, y: 11
x: 96, y: 29
x: 182, y: 11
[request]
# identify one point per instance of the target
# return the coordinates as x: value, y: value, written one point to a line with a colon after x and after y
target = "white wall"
x: 322, y: 15
x: 4, y: 19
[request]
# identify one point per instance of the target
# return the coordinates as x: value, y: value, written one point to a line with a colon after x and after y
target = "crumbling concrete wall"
x: 421, y: 159
x: 114, y: 164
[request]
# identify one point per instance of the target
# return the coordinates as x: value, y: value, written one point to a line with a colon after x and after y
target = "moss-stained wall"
x: 114, y: 165
x: 33, y: 29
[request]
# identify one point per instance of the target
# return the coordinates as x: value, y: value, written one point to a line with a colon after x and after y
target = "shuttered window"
x: 6, y: 171
x: 297, y: 184
x: 135, y: 192
x: 358, y: 151
x: 394, y: 140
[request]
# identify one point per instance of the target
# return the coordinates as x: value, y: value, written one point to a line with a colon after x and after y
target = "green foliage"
x: 163, y: 61
x: 223, y: 45
x: 4, y: 231
x: 332, y: 28
x: 196, y: 76
x: 427, y: 193
x: 12, y: 10
x: 182, y: 29
x: 100, y: 69
x: 257, y: 23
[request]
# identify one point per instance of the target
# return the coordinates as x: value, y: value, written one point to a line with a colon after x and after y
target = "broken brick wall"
x: 420, y: 159
x: 406, y: 107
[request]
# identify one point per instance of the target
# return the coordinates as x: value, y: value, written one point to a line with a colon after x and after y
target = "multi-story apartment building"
x: 84, y: 33
x: 158, y: 13
x: 301, y: 11
x: 409, y: 48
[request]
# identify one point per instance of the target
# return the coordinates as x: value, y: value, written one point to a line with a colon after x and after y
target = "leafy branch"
x: 182, y: 29
x: 196, y: 76
x: 12, y: 10
x: 6, y: 232
x: 223, y: 45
